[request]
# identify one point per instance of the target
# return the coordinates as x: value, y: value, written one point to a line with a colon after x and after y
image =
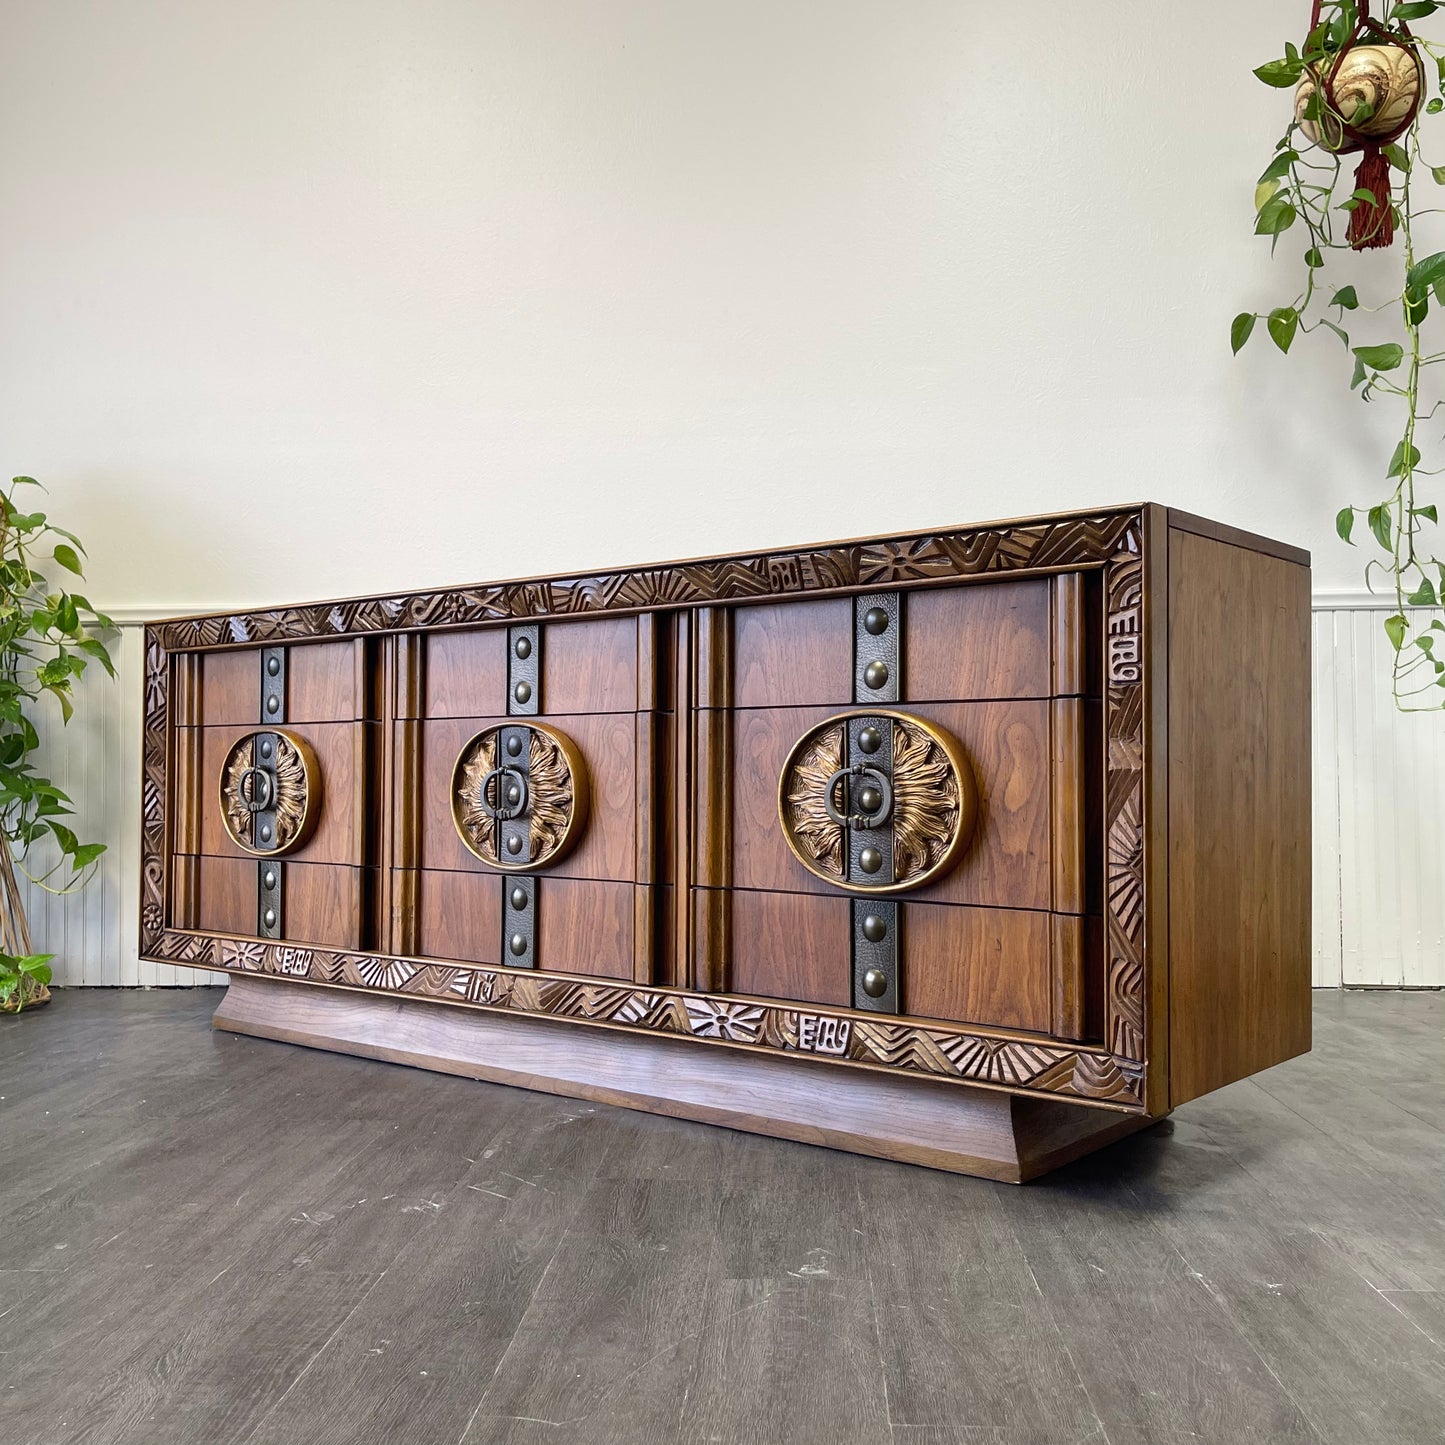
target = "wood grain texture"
x: 1239, y: 812
x: 1008, y: 863
x: 976, y: 643
x: 794, y: 654
x: 590, y: 667
x: 975, y: 1132
x: 340, y: 829
x: 987, y: 966
x: 320, y: 685
x: 789, y: 945
x: 607, y: 848
x: 322, y: 905
x: 466, y: 673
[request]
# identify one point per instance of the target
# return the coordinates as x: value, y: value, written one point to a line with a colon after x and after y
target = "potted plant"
x: 1361, y: 85
x: 48, y: 636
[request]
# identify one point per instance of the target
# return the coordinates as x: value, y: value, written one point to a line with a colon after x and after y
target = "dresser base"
x: 955, y: 1127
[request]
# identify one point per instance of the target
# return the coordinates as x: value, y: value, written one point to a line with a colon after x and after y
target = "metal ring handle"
x: 854, y: 819
x: 504, y: 812
x: 262, y: 798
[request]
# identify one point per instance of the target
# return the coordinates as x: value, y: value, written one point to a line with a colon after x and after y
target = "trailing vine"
x: 1301, y: 188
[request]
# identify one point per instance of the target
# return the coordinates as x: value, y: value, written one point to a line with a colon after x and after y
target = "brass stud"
x: 514, y: 746
x: 874, y: 929
x: 869, y: 801
x: 273, y: 665
x: 265, y: 832
x: 269, y: 878
x: 519, y: 899
x: 870, y: 740
x: 514, y: 843
x: 875, y: 621
x: 514, y: 794
x: 273, y: 703
x: 522, y: 692
x: 269, y: 918
x: 876, y: 675
x: 870, y: 860
x: 266, y: 749
x: 523, y: 647
x: 875, y: 983
x: 517, y: 944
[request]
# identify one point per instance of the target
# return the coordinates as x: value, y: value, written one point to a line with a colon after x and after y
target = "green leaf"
x: 1429, y: 512
x: 1381, y: 524
x: 1406, y: 459
x: 1275, y: 217
x: 1242, y: 330
x: 1283, y: 323
x: 1281, y: 74
x: 1434, y: 107
x: 85, y: 855
x: 1396, y: 627
x: 1278, y: 168
x: 1346, y: 298
x: 1381, y: 358
x: 1413, y: 9
x: 1330, y: 325
x: 1396, y: 156
x: 1423, y: 596
x: 1345, y: 523
x: 1313, y: 259
x: 67, y: 559
x: 92, y: 648
x: 1264, y: 193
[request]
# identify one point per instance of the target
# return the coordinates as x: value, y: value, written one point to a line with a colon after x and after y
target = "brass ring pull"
x: 504, y: 803
x: 869, y: 794
x: 257, y: 790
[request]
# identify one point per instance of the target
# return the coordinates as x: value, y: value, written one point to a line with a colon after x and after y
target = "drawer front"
x: 534, y: 757
x: 908, y: 818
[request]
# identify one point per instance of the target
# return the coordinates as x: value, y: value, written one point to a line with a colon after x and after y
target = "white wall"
x: 311, y: 298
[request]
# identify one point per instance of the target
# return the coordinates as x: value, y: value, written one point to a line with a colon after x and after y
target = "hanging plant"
x: 1360, y: 90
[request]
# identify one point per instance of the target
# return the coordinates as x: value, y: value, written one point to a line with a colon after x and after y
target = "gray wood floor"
x: 210, y: 1238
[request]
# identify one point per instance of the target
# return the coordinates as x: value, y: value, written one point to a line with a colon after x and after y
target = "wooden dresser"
x: 979, y: 849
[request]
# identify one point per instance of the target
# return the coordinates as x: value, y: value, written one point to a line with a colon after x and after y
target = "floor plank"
x: 209, y: 1237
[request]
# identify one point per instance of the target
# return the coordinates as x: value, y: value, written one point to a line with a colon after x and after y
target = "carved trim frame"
x: 1111, y: 540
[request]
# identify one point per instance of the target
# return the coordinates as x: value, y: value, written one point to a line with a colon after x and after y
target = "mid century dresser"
x: 979, y: 849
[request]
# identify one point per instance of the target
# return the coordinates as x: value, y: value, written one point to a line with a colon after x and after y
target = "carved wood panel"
x: 1111, y: 541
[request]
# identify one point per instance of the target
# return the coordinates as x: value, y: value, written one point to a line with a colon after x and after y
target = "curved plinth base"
x: 946, y: 1126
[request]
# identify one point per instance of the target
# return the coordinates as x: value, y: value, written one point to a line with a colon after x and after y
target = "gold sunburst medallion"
x: 915, y: 791
x: 519, y: 795
x: 270, y: 790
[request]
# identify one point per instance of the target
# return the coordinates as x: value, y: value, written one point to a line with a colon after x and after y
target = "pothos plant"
x: 48, y: 636
x: 1361, y: 86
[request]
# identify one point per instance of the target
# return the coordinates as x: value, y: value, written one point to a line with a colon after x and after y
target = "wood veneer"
x: 1124, y: 930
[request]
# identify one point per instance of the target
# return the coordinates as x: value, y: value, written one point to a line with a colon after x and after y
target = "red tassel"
x: 1373, y: 226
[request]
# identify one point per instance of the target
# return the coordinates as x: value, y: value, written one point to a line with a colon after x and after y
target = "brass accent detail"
x: 556, y: 795
x: 298, y: 793
x: 935, y: 801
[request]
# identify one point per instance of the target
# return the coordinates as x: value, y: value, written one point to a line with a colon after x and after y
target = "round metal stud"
x: 273, y: 703
x: 875, y: 983
x: 523, y: 647
x: 514, y: 746
x: 266, y: 749
x: 269, y: 878
x: 875, y: 621
x: 265, y: 832
x: 269, y: 918
x: 874, y: 929
x: 519, y: 899
x: 523, y: 692
x: 517, y: 944
x: 870, y: 740
x: 870, y: 860
x: 514, y: 795
x: 273, y: 665
x: 870, y: 800
x: 514, y: 843
x: 876, y: 675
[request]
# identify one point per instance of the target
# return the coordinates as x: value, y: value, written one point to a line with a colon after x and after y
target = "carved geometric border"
x: 924, y: 1050
x: 1113, y: 540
